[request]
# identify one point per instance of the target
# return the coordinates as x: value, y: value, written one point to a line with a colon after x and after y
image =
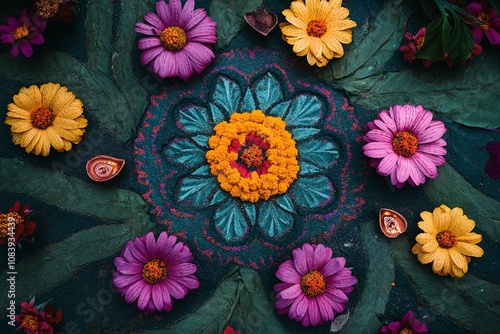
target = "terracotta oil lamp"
x: 391, y: 223
x: 103, y: 168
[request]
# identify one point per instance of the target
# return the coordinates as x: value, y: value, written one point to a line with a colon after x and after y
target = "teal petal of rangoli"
x: 248, y: 102
x: 251, y: 212
x: 306, y: 110
x: 273, y: 220
x: 217, y: 115
x: 227, y: 94
x: 319, y: 153
x: 230, y: 221
x: 196, y: 191
x: 268, y: 91
x: 194, y: 119
x: 312, y: 192
x: 184, y: 152
x: 299, y: 134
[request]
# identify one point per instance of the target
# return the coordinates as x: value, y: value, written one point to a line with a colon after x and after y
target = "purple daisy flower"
x: 315, y: 285
x: 405, y: 143
x: 22, y: 33
x: 149, y: 272
x: 490, y: 23
x: 179, y: 41
x: 409, y: 324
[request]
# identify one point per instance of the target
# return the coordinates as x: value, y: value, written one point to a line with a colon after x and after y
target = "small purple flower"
x: 490, y: 23
x: 408, y: 325
x: 22, y: 33
x: 150, y: 272
x: 178, y: 40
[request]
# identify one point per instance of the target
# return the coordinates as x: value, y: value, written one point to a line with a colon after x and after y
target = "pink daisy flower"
x: 409, y: 324
x: 22, y: 33
x: 405, y: 143
x: 490, y: 26
x: 179, y: 41
x: 415, y: 42
x: 315, y: 285
x: 150, y: 272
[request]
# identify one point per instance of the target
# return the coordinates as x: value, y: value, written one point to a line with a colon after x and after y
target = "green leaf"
x: 98, y: 36
x: 377, y: 287
x: 70, y: 193
x: 229, y: 15
x: 241, y: 298
x: 58, y: 262
x: 469, y: 301
x: 441, y: 91
x: 375, y: 49
x: 437, y: 35
x: 451, y: 189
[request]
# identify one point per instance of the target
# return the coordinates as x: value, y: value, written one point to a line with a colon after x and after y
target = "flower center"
x: 419, y: 41
x: 406, y: 331
x: 41, y: 117
x: 47, y: 8
x: 154, y: 271
x: 485, y: 18
x: 313, y: 283
x: 6, y: 220
x: 252, y: 156
x: 405, y: 144
x: 30, y: 322
x: 173, y: 38
x: 21, y: 31
x: 316, y: 28
x: 446, y: 239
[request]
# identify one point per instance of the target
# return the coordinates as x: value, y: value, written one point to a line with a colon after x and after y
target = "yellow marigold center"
x: 419, y: 41
x: 6, y: 220
x: 405, y: 144
x: 446, y: 239
x: 41, y: 117
x: 47, y: 8
x: 485, y: 18
x: 313, y: 283
x: 21, y: 31
x: 316, y: 28
x: 154, y: 271
x: 406, y: 331
x: 30, y: 322
x: 252, y: 156
x: 173, y: 38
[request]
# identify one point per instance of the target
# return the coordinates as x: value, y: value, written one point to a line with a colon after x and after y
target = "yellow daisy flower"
x: 44, y: 117
x: 316, y: 29
x: 447, y: 242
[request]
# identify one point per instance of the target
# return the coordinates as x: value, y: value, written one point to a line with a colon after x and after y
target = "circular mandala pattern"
x: 245, y: 164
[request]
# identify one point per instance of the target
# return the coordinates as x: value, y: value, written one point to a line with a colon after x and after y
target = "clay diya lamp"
x: 103, y: 168
x: 262, y: 21
x: 391, y: 223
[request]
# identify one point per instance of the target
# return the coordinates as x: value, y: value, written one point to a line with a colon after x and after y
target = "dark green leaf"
x: 372, y: 51
x: 98, y: 36
x: 495, y: 4
x: 468, y: 94
x: 470, y: 301
x: 436, y: 35
x: 70, y: 193
x: 451, y: 189
x: 459, y: 46
x: 430, y: 8
x: 229, y: 15
x: 240, y: 295
x: 380, y: 275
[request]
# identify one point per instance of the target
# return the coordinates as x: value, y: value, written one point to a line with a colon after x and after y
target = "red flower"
x: 490, y: 23
x: 251, y: 156
x: 16, y: 215
x: 230, y: 330
x: 34, y: 321
x: 409, y: 324
x: 415, y: 42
